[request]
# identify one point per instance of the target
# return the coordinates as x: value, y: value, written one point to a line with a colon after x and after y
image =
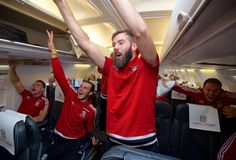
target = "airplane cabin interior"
x: 195, y: 40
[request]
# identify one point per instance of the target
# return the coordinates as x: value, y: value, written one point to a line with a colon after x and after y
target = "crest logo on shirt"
x: 83, y: 114
x: 28, y: 97
x: 201, y: 101
x: 37, y: 104
x: 134, y: 68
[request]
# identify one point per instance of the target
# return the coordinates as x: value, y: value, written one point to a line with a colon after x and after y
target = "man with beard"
x: 77, y: 116
x: 130, y: 110
x: 33, y: 102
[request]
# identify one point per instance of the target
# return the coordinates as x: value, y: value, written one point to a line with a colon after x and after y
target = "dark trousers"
x: 108, y: 144
x: 66, y: 149
x: 103, y: 114
x: 5, y: 155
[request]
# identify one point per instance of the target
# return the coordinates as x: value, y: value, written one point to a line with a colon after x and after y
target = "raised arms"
x: 80, y: 36
x: 15, y: 78
x: 138, y: 27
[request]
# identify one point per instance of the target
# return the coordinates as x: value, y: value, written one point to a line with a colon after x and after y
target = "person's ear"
x: 134, y: 46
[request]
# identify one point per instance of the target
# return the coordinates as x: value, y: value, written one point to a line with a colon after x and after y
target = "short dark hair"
x: 214, y: 81
x: 128, y: 32
x: 42, y: 82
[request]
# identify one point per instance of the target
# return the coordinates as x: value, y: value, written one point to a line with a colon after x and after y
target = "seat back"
x: 34, y: 139
x: 26, y: 136
x: 54, y: 113
x: 20, y: 144
x: 189, y: 143
x: 127, y: 153
x: 163, y: 125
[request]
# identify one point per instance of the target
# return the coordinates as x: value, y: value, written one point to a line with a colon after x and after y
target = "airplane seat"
x: 192, y: 144
x: 163, y: 125
x: 96, y: 101
x: 20, y: 144
x: 47, y: 131
x: 20, y: 137
x: 34, y: 139
x: 127, y: 153
x: 54, y: 113
x: 175, y: 102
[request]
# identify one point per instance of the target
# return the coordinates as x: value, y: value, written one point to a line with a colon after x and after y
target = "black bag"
x: 11, y: 33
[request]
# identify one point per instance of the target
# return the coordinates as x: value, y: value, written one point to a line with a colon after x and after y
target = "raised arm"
x: 15, y: 78
x: 57, y: 67
x: 80, y: 36
x: 138, y: 27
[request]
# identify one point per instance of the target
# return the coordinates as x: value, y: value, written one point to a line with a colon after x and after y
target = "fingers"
x: 95, y: 141
x: 50, y: 34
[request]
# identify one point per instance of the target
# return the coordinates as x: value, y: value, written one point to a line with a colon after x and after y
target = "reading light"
x: 207, y: 70
x: 4, y: 66
x: 190, y: 70
x: 82, y: 65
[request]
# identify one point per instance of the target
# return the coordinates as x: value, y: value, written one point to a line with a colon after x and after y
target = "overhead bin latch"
x: 182, y: 19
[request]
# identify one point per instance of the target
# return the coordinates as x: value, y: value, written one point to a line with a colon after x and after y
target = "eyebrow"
x: 121, y: 40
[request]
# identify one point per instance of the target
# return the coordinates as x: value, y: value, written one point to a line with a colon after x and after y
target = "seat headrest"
x: 163, y: 109
x: 12, y: 131
x: 182, y: 112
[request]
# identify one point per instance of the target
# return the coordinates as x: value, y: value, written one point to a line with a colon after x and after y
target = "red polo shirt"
x: 131, y: 97
x: 77, y: 117
x: 31, y: 105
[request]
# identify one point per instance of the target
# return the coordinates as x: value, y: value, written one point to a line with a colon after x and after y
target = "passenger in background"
x: 50, y: 89
x: 211, y: 94
x: 131, y: 108
x: 77, y: 117
x: 33, y: 102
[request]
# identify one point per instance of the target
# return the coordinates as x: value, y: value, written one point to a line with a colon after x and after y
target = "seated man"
x: 33, y: 102
x: 50, y: 89
x: 77, y: 115
x: 211, y: 94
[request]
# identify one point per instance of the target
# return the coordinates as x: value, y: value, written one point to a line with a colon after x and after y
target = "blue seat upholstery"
x: 34, y: 139
x: 163, y: 125
x: 27, y: 140
x: 20, y: 141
